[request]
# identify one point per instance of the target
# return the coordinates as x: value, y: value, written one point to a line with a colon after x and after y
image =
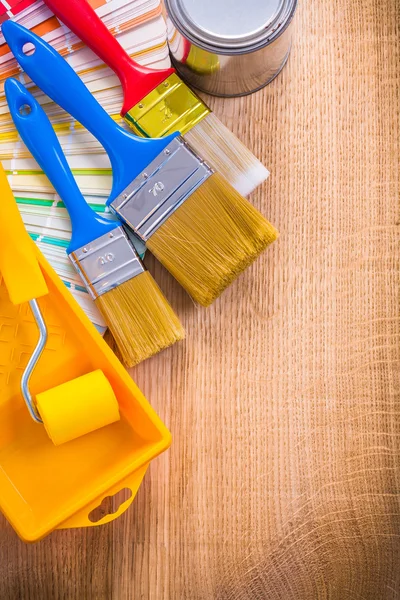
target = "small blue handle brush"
x: 199, y: 227
x: 38, y: 135
x: 139, y: 317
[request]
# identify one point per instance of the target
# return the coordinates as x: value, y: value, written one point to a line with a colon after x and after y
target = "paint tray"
x: 43, y: 486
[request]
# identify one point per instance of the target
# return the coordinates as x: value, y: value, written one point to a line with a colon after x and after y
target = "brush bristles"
x: 210, y: 239
x: 140, y: 319
x: 218, y: 146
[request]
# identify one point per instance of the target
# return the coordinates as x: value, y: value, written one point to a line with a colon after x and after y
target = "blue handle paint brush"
x: 139, y: 317
x: 199, y: 227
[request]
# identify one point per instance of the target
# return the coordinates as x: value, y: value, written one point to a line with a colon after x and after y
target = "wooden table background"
x: 283, y: 480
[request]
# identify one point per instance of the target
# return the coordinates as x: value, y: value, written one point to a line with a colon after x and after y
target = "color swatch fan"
x: 140, y: 29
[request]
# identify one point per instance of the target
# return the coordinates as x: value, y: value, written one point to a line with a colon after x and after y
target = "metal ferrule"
x: 107, y: 262
x: 171, y: 107
x: 156, y: 193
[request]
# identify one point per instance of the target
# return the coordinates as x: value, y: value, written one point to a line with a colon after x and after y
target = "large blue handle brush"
x: 199, y: 227
x: 157, y: 102
x: 140, y: 319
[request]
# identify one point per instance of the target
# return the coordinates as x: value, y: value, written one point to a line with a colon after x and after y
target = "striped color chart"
x: 141, y: 30
x: 11, y: 8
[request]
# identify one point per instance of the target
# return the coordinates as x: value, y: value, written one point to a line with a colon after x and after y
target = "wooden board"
x: 283, y: 480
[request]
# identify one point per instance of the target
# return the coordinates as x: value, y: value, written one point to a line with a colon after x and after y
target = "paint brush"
x: 157, y: 103
x: 139, y: 317
x: 199, y: 227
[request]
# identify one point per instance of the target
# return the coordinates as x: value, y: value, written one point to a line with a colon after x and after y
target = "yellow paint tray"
x: 43, y: 486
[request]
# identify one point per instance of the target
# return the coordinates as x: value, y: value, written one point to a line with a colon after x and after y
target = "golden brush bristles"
x: 140, y: 319
x: 210, y: 239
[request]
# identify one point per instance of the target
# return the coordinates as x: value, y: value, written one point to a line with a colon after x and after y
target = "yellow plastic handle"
x: 18, y: 260
x: 81, y: 518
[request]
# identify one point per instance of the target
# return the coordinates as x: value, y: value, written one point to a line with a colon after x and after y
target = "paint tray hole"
x: 109, y: 505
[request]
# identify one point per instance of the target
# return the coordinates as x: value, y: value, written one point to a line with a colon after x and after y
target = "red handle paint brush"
x: 157, y: 103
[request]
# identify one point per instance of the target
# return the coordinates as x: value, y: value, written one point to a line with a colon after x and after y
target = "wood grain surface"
x: 283, y: 481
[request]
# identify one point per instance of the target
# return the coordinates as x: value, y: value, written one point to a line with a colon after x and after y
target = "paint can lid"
x: 230, y: 26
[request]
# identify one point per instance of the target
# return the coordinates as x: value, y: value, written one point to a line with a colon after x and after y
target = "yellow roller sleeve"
x: 18, y: 263
x: 78, y: 407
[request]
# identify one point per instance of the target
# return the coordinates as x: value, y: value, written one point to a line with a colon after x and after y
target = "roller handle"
x: 137, y: 81
x: 36, y: 131
x: 19, y: 265
x: 129, y: 154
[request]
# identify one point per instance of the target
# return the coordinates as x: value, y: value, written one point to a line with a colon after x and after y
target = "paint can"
x: 229, y: 47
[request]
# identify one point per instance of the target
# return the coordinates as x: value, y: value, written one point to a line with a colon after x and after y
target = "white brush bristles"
x: 219, y: 147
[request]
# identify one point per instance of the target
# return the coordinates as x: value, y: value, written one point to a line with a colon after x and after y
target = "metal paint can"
x: 229, y: 47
